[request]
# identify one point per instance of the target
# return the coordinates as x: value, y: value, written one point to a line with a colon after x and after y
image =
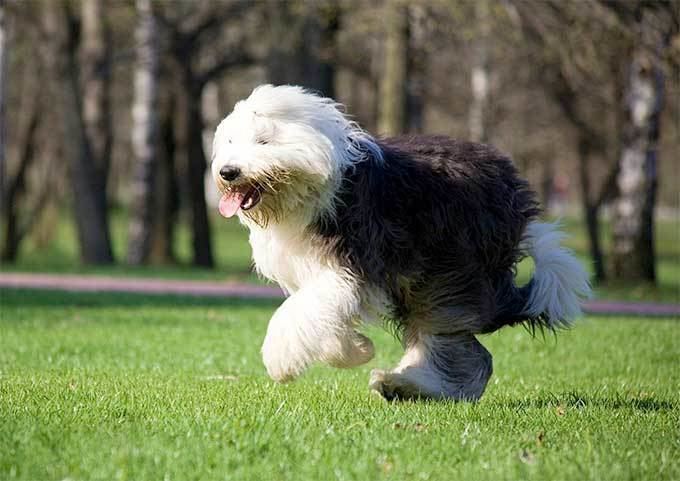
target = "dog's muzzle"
x: 235, y: 197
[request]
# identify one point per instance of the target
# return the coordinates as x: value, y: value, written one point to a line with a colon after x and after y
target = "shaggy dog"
x: 422, y: 232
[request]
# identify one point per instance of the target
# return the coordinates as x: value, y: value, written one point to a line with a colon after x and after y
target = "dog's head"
x: 282, y: 151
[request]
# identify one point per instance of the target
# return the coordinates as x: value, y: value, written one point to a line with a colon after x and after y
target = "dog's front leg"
x: 316, y: 323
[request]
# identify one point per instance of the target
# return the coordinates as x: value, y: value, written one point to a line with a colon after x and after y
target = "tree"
x: 25, y: 186
x: 652, y: 24
x: 188, y: 35
x: 167, y: 187
x: 394, y: 79
x: 144, y: 135
x: 479, y: 75
x: 3, y: 68
x: 569, y: 74
x: 85, y: 113
x: 14, y: 186
x: 95, y: 62
x: 301, y: 47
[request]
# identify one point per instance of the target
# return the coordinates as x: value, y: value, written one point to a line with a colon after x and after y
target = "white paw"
x: 395, y: 386
x: 283, y: 356
x: 353, y: 350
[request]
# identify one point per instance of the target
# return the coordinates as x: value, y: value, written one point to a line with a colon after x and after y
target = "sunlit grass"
x: 105, y: 386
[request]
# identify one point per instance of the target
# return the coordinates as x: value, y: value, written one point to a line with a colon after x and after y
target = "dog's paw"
x: 393, y: 386
x: 351, y: 351
x: 283, y: 357
x: 379, y: 384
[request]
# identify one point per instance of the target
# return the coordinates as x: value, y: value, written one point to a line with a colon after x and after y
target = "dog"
x: 421, y: 232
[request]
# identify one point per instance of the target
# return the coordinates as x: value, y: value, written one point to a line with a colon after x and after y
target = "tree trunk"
x: 202, y: 242
x: 302, y: 47
x: 318, y: 38
x: 3, y: 68
x: 417, y: 68
x: 194, y: 166
x: 87, y: 179
x: 547, y: 182
x: 394, y: 79
x: 479, y: 75
x: 282, y: 44
x: 144, y: 133
x: 591, y: 211
x: 167, y: 198
x: 15, y: 187
x: 185, y: 46
x: 95, y: 57
x: 633, y: 256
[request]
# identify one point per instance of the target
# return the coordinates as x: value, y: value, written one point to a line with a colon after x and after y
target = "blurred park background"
x: 108, y: 108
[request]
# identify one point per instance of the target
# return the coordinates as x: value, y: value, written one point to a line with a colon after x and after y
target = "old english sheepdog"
x: 421, y: 232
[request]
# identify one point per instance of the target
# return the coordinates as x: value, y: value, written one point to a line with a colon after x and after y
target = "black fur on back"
x: 437, y: 226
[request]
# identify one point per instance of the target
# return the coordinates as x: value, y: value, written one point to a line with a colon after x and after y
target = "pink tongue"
x: 230, y: 203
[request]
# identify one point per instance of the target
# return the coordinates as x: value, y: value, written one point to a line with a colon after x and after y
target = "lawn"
x: 118, y: 387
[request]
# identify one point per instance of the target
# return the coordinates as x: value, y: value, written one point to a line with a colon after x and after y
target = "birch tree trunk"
x: 394, y: 80
x: 633, y: 256
x: 479, y: 74
x: 88, y: 181
x: 144, y: 135
x: 95, y: 56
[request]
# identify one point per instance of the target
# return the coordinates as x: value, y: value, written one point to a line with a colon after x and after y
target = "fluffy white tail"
x: 560, y: 283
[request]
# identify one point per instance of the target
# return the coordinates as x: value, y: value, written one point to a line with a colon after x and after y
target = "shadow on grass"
x: 569, y: 401
x: 17, y: 298
x: 577, y: 400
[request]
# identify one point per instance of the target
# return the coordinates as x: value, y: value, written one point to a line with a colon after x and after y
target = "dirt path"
x: 92, y: 283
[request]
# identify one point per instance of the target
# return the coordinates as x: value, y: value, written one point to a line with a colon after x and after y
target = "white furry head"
x: 282, y: 151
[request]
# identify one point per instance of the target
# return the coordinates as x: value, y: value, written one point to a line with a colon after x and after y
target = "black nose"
x: 229, y: 173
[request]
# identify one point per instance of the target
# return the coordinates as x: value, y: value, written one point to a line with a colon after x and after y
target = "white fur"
x: 304, y: 132
x: 560, y: 282
x: 316, y: 323
x: 287, y: 129
x: 310, y: 134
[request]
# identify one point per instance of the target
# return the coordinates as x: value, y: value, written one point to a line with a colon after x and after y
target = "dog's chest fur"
x: 291, y: 258
x: 285, y: 255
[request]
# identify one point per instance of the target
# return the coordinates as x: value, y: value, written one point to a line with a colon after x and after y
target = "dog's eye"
x: 262, y: 141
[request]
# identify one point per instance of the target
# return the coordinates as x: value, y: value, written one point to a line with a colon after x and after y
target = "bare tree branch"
x: 238, y: 58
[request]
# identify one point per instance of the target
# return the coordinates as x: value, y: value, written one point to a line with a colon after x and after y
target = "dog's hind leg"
x: 454, y: 366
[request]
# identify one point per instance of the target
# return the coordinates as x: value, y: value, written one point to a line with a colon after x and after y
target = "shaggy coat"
x: 437, y: 225
x: 423, y: 232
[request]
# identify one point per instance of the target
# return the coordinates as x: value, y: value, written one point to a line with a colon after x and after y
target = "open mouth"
x: 243, y: 197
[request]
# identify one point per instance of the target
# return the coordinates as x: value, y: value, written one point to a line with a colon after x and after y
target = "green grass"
x: 117, y: 387
x: 58, y: 253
